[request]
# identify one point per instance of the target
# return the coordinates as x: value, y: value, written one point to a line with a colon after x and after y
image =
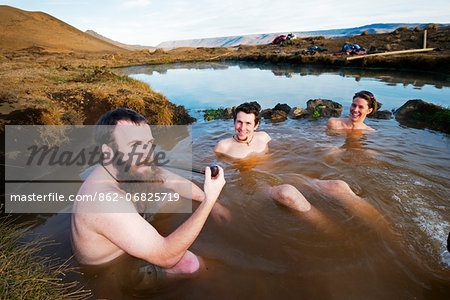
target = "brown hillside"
x: 22, y: 29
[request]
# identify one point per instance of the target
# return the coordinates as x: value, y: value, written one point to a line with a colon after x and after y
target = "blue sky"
x: 150, y: 22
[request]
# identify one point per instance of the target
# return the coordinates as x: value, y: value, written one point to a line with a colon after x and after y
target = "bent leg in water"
x: 357, y: 206
x: 287, y: 195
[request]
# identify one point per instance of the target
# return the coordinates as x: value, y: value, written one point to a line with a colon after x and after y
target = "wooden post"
x: 390, y: 53
x: 424, y: 39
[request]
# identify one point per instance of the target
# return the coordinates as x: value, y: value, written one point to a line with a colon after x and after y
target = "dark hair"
x: 249, y: 108
x: 370, y: 98
x: 104, y: 134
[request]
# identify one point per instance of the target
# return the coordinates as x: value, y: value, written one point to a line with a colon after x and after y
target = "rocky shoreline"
x: 414, y: 113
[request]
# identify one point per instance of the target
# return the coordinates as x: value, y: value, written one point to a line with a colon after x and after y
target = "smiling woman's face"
x: 359, y: 110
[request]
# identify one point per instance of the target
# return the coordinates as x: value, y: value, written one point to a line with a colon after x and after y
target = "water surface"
x: 210, y: 85
x: 270, y: 252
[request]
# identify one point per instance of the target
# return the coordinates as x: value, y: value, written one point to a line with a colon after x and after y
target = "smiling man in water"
x: 102, y: 231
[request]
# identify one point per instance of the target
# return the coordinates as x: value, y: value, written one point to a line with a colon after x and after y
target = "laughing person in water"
x: 364, y: 104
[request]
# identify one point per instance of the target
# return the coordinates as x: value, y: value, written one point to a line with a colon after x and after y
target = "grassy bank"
x: 25, y: 274
x: 41, y: 88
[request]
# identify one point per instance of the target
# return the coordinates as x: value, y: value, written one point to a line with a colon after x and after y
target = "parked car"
x: 278, y: 39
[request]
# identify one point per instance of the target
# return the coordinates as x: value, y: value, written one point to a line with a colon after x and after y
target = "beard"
x: 134, y: 180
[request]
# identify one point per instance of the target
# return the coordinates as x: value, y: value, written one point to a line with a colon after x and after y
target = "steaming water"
x: 268, y: 251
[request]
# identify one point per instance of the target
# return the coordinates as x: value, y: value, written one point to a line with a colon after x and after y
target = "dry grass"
x: 70, y: 92
x: 25, y: 274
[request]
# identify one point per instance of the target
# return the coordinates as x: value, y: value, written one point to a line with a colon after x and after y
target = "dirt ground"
x: 400, y: 39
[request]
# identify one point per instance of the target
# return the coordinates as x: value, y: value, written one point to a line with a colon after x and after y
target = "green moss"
x: 316, y: 113
x: 438, y: 120
x: 439, y: 116
x: 213, y: 114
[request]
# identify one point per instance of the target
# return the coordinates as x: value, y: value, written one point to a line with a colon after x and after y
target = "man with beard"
x: 106, y: 228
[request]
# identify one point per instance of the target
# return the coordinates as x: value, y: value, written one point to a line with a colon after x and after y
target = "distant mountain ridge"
x: 257, y: 39
x: 118, y: 44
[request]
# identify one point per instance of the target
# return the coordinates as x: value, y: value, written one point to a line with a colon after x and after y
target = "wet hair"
x: 370, y: 98
x: 249, y: 108
x: 104, y: 134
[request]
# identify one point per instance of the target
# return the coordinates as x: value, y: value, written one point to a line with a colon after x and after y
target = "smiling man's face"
x: 244, y: 126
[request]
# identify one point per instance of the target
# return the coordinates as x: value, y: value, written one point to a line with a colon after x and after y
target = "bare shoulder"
x: 334, y: 123
x: 263, y: 136
x: 100, y: 196
x: 223, y: 146
x: 368, y: 128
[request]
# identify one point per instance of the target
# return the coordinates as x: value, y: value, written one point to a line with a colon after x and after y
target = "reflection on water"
x: 209, y: 85
x: 268, y: 252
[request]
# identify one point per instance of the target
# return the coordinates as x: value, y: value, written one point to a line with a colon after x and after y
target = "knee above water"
x: 287, y: 190
x: 338, y: 186
x: 189, y: 263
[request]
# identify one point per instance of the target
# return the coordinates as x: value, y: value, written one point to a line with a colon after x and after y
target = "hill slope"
x: 258, y: 39
x: 118, y: 44
x: 21, y: 29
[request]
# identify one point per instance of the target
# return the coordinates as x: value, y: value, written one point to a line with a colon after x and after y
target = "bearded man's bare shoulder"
x: 92, y: 187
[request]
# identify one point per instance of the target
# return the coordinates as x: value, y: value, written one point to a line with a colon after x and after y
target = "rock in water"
x: 381, y: 114
x: 324, y: 108
x: 279, y: 116
x: 284, y: 107
x: 420, y: 114
x: 298, y: 113
x: 266, y: 113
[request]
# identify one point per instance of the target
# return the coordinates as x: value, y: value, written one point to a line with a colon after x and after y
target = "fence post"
x: 424, y: 39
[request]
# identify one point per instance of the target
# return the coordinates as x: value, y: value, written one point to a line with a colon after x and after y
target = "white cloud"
x: 135, y: 3
x: 151, y: 22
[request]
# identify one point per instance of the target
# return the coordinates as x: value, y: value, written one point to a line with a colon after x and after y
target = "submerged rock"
x: 315, y: 108
x: 379, y: 105
x: 297, y: 113
x: 381, y: 114
x: 284, y: 107
x: 420, y: 114
x: 267, y: 113
x: 278, y: 116
x: 228, y: 113
x: 323, y: 108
